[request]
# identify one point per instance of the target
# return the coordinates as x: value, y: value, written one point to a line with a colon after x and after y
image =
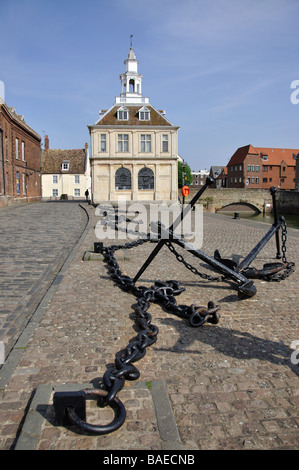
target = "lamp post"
x: 183, y: 178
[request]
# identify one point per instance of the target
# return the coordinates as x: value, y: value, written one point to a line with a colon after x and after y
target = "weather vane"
x: 131, y: 41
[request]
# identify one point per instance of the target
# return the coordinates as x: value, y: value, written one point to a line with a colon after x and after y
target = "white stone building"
x: 134, y: 148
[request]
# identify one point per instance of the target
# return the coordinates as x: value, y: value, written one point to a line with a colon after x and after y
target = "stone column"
x: 111, y: 196
x: 174, y: 183
x: 134, y: 191
x: 157, y: 182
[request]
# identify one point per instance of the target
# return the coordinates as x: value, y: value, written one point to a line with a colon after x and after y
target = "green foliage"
x: 148, y: 384
x: 188, y: 176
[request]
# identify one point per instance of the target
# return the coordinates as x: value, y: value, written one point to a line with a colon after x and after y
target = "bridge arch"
x: 239, y: 206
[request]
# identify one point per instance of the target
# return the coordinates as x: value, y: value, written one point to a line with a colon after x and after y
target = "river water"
x: 292, y: 220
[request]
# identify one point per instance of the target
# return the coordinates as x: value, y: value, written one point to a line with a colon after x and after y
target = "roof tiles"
x: 275, y: 155
x: 52, y: 160
x: 110, y: 118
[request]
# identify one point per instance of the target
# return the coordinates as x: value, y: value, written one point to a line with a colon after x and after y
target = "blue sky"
x: 222, y: 69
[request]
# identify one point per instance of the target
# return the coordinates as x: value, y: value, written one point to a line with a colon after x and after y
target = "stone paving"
x: 35, y: 241
x: 230, y: 386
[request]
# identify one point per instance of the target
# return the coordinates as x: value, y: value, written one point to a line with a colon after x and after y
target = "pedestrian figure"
x: 86, y: 194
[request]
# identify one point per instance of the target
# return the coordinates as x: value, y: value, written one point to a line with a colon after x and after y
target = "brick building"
x: 297, y: 173
x: 20, y: 156
x: 198, y: 178
x: 260, y: 167
x: 221, y: 181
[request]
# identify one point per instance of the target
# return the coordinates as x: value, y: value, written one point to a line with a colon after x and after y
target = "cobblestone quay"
x: 227, y: 386
x: 35, y: 240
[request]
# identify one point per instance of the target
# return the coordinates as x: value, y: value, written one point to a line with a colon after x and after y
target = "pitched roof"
x: 215, y: 171
x: 19, y: 119
x: 52, y: 160
x: 110, y: 118
x: 224, y: 172
x: 275, y: 155
x: 240, y: 154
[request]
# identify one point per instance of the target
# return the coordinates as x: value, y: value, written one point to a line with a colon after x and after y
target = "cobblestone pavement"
x: 35, y: 241
x: 230, y: 386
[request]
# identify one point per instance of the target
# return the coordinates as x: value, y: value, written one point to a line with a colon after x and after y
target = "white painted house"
x: 65, y: 173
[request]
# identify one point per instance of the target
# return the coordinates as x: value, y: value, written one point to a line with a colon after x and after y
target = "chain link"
x: 284, y: 236
x: 161, y: 292
x: 189, y: 266
x: 274, y: 272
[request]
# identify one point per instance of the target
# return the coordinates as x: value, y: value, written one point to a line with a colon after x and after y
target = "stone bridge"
x: 258, y: 200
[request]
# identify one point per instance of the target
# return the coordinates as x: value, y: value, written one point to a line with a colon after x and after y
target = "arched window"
x: 132, y: 85
x: 123, y: 179
x: 146, y: 179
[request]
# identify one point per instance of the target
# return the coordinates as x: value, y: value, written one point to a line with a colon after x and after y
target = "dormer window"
x: 122, y: 114
x: 264, y: 157
x: 65, y: 166
x: 144, y: 114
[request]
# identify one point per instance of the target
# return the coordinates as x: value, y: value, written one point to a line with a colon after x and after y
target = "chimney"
x: 46, y: 143
x: 86, y: 146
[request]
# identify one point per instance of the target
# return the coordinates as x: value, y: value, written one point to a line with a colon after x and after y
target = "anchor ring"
x: 115, y: 404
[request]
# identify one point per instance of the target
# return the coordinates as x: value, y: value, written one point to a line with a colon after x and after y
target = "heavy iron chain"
x: 161, y: 292
x: 189, y: 266
x: 284, y: 236
x: 274, y: 272
x: 289, y: 266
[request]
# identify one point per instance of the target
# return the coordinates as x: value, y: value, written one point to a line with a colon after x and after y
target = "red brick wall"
x: 281, y: 176
x: 239, y: 173
x: 28, y: 169
x: 5, y: 125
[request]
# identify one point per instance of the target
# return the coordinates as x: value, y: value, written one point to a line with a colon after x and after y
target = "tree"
x: 187, y: 178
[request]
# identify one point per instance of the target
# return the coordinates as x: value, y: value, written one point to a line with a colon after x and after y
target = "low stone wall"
x: 6, y: 201
x: 288, y: 202
x: 11, y: 201
x: 215, y: 199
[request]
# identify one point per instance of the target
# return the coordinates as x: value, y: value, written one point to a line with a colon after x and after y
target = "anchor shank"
x: 175, y: 224
x: 149, y: 260
x: 254, y: 252
x: 236, y: 276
